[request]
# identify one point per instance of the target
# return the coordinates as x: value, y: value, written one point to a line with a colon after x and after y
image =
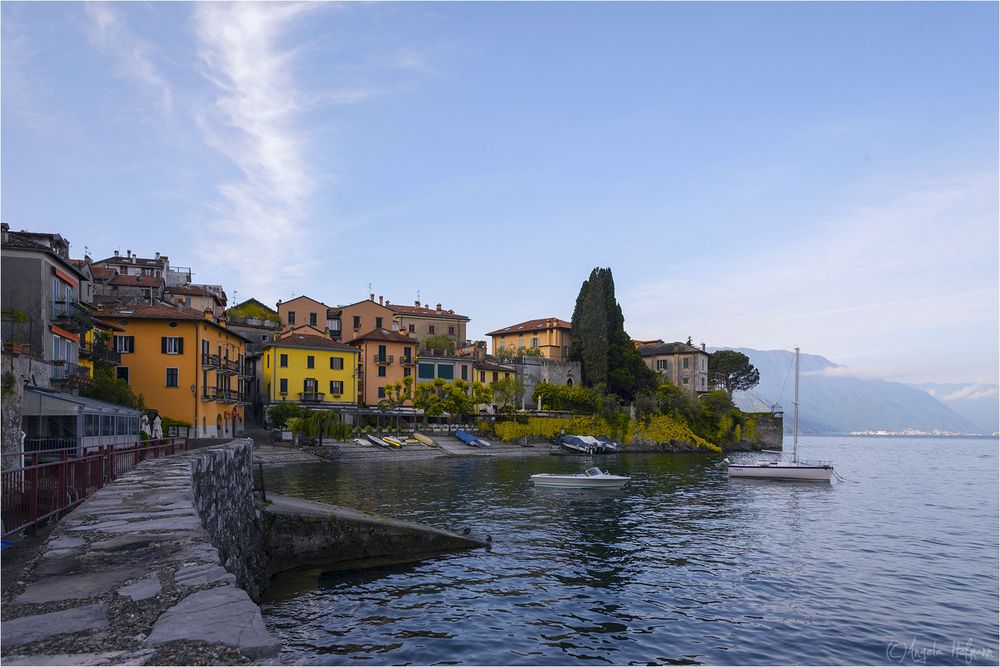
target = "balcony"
x: 311, y: 397
x: 210, y: 361
x: 224, y: 395
x: 407, y: 360
x: 99, y: 353
x: 383, y: 359
x: 208, y: 393
x: 71, y: 316
x: 229, y: 367
x: 67, y: 371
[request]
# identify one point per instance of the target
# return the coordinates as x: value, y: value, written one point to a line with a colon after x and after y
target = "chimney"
x: 157, y: 255
x: 116, y: 253
x: 387, y: 302
x: 128, y: 253
x: 439, y: 307
x: 417, y: 303
x: 380, y: 300
x: 371, y: 297
x: 703, y: 346
x: 209, y: 315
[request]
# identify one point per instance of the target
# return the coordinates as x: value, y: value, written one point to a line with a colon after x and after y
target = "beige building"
x: 349, y: 322
x: 303, y: 310
x: 679, y: 363
x: 386, y: 357
x: 550, y: 335
x: 422, y: 322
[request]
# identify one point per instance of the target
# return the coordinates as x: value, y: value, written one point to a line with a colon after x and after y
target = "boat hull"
x: 783, y: 472
x: 580, y: 482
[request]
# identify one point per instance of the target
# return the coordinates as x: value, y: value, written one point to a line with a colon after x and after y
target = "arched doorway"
x: 218, y: 426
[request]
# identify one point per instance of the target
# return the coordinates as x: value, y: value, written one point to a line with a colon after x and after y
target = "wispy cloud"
x: 253, y: 121
x: 972, y: 391
x: 109, y: 32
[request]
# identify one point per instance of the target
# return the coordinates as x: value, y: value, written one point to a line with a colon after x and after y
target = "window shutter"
x: 163, y: 345
x: 180, y: 346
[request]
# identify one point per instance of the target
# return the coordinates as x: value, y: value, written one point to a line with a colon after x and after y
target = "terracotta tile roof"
x: 532, y: 325
x: 420, y: 311
x: 15, y: 240
x: 310, y: 341
x: 136, y: 281
x: 669, y: 348
x: 151, y: 313
x: 491, y: 366
x: 386, y: 335
x: 135, y: 261
x: 102, y: 272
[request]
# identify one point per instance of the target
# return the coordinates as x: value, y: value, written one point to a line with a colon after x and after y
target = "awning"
x: 44, y: 402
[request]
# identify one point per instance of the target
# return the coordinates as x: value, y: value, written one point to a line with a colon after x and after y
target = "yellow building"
x: 550, y: 336
x: 186, y: 365
x: 90, y: 352
x: 309, y: 370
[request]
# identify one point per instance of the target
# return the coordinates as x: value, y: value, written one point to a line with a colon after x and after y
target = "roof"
x: 135, y: 261
x: 196, y: 290
x: 358, y: 303
x: 303, y: 296
x: 420, y: 311
x: 310, y: 342
x: 255, y: 302
x: 385, y: 335
x: 55, y: 403
x: 15, y: 241
x: 670, y: 348
x: 131, y: 312
x: 492, y: 366
x: 136, y: 281
x: 101, y: 272
x: 533, y: 325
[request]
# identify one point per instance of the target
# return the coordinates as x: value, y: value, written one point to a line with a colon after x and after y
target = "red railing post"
x: 33, y: 494
x: 110, y: 463
x: 63, y: 473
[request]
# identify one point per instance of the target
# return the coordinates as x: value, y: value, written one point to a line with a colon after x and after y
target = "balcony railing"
x: 71, y: 316
x: 66, y: 370
x: 230, y: 367
x: 99, y: 353
x: 383, y: 359
x: 311, y: 397
x: 208, y: 393
x: 209, y: 361
x: 407, y: 360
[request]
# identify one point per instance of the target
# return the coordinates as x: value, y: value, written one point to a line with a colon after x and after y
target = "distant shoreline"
x: 924, y: 436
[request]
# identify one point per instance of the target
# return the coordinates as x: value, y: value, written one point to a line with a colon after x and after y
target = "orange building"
x: 186, y: 366
x: 303, y: 310
x: 349, y: 322
x: 550, y: 335
x: 386, y: 357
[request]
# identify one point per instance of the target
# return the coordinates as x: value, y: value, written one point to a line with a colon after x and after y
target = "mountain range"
x: 832, y: 401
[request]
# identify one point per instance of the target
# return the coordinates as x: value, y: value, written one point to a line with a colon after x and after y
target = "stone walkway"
x: 131, y: 577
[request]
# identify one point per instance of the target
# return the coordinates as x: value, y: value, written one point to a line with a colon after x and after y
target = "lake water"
x: 898, y: 566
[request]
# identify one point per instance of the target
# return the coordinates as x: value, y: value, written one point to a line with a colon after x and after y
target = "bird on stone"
x: 466, y: 530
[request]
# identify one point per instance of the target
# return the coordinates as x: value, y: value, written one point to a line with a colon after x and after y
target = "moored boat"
x: 423, y: 439
x: 575, y: 443
x: 592, y: 478
x: 378, y: 441
x: 468, y: 438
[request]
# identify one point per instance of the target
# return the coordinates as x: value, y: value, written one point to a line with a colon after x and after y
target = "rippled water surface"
x: 682, y: 566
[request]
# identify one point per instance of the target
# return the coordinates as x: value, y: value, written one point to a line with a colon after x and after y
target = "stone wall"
x: 222, y: 483
x: 535, y: 370
x: 768, y: 430
x: 22, y: 368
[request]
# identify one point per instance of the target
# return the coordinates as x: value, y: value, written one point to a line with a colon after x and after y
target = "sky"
x: 757, y: 175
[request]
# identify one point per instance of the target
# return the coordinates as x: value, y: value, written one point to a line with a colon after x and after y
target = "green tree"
x: 428, y: 397
x: 322, y: 423
x: 507, y: 393
x: 510, y: 352
x: 278, y: 415
x: 396, y: 396
x: 734, y: 369
x: 106, y: 385
x: 438, y: 343
x: 600, y: 343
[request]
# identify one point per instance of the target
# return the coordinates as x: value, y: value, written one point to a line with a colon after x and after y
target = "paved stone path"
x: 131, y: 577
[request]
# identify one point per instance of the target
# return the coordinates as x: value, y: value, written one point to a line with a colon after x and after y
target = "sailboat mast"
x: 795, y: 412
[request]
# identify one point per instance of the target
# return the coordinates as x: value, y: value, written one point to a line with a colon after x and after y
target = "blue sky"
x: 760, y: 175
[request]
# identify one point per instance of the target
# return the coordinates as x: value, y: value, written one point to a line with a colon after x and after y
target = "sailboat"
x: 794, y: 470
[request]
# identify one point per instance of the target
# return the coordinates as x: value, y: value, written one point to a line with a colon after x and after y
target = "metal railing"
x: 311, y: 396
x: 210, y: 360
x: 230, y: 366
x: 67, y: 370
x: 72, y: 315
x: 383, y: 359
x: 40, y: 485
x: 99, y: 352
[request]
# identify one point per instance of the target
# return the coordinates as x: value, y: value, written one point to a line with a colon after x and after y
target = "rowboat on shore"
x: 393, y: 441
x: 423, y: 439
x: 468, y: 438
x: 592, y: 478
x: 379, y: 442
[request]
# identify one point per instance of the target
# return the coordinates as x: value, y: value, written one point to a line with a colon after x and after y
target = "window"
x: 407, y: 371
x: 534, y: 341
x: 312, y: 319
x: 465, y: 372
x: 357, y: 321
x: 284, y: 361
x: 482, y: 376
x: 58, y: 349
x: 407, y: 355
x: 425, y: 371
x: 283, y: 384
x: 171, y: 345
x: 204, y: 348
x: 430, y: 329
x: 264, y: 338
x: 291, y: 317
x: 451, y: 331
x: 381, y: 392
x: 378, y: 322
x: 336, y: 387
x: 310, y: 361
x: 412, y: 328
x: 122, y: 373
x: 381, y: 371
x: 336, y: 364
x: 686, y: 362
x: 496, y: 376
x: 446, y: 371
x: 172, y: 377
x: 685, y: 381
x: 124, y: 343
x: 662, y: 365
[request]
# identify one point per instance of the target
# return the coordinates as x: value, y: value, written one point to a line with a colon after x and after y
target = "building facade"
x: 679, y: 363
x: 421, y: 322
x: 309, y: 370
x: 350, y: 322
x: 387, y: 357
x: 186, y: 365
x: 446, y: 367
x: 549, y: 335
x: 302, y: 310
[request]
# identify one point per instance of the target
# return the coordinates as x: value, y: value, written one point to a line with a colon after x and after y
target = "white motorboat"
x: 592, y: 478
x: 794, y: 470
